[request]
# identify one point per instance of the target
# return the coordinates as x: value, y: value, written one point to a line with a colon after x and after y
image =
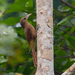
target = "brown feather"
x: 30, y: 36
x: 34, y: 57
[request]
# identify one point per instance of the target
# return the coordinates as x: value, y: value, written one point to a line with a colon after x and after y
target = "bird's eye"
x: 24, y: 18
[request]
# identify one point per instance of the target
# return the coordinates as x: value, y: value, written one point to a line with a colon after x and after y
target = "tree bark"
x: 45, y: 61
x: 70, y: 71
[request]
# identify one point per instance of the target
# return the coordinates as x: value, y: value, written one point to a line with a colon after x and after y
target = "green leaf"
x: 29, y: 3
x: 72, y: 29
x: 20, y: 2
x: 73, y: 2
x: 22, y: 68
x: 11, y: 20
x: 73, y: 59
x: 3, y: 61
x: 11, y: 73
x: 14, y: 10
x: 65, y: 38
x: 65, y: 19
x: 17, y: 7
x: 66, y: 9
x: 71, y: 42
x: 73, y: 21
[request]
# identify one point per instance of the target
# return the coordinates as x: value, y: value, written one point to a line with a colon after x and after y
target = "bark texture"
x: 45, y: 61
x: 70, y: 71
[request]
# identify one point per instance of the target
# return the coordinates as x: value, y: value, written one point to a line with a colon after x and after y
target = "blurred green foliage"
x: 3, y: 5
x: 15, y: 53
x: 64, y: 36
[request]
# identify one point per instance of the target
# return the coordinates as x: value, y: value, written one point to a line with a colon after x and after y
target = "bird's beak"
x: 28, y: 15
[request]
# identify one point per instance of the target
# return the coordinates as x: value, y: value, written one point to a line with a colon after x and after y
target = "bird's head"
x: 23, y: 20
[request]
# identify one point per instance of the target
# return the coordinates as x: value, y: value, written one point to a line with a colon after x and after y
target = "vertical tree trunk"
x: 45, y: 61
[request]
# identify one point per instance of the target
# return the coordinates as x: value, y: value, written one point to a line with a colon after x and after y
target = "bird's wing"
x: 28, y: 34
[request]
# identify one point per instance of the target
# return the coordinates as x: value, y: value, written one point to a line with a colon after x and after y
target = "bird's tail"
x: 34, y: 57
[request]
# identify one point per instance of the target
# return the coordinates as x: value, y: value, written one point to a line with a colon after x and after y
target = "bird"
x: 30, y: 36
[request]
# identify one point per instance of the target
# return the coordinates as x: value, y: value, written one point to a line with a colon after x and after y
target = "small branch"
x: 71, y: 23
x: 65, y: 50
x: 64, y: 31
x: 60, y: 64
x: 70, y: 71
x: 64, y: 25
x: 73, y: 43
x: 57, y: 73
x: 67, y: 4
x: 58, y: 70
x: 72, y: 56
x: 68, y: 48
x: 17, y: 66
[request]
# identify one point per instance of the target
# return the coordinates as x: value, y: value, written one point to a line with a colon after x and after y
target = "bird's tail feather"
x: 34, y: 57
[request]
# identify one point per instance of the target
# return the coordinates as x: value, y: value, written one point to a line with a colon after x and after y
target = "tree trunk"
x: 45, y: 61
